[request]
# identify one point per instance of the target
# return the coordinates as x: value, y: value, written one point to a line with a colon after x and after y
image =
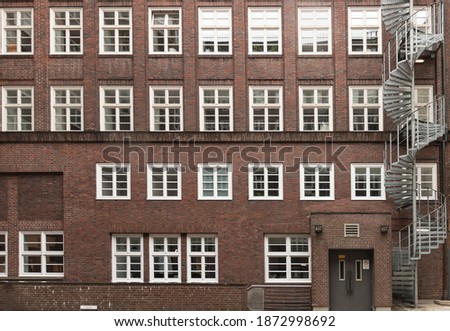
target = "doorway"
x: 350, y: 279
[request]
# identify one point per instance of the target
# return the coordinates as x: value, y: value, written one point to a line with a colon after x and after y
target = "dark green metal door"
x: 350, y: 279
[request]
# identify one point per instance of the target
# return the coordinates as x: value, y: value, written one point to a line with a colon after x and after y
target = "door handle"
x: 349, y: 281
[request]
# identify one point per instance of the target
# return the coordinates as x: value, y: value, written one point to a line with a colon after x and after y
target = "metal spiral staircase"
x: 415, y: 35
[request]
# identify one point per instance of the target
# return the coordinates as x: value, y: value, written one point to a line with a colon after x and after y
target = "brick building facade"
x: 201, y: 155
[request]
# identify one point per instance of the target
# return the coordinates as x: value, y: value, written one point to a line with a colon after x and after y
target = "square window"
x: 18, y: 109
x: 367, y: 182
x: 215, y: 182
x: 164, y: 182
x: 266, y: 182
x: 317, y: 182
x: 113, y: 181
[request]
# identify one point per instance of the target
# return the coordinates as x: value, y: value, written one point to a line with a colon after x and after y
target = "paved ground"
x: 424, y: 305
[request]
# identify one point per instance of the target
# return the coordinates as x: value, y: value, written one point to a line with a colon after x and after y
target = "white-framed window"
x: 287, y: 258
x: 67, y: 108
x: 215, y: 182
x: 367, y: 182
x: 317, y: 181
x: 113, y: 181
x: 265, y: 181
x: 364, y: 30
x: 202, y: 259
x: 42, y: 254
x: 266, y: 108
x: 215, y: 36
x: 18, y: 109
x: 66, y: 30
x: 427, y: 179
x: 165, y: 30
x: 17, y: 31
x: 116, y: 108
x: 164, y: 181
x: 316, y: 108
x: 216, y: 108
x: 166, y: 108
x: 366, y: 111
x: 264, y: 30
x: 127, y: 254
x: 116, y: 31
x: 314, y: 30
x: 165, y: 259
x: 3, y: 254
x: 424, y: 103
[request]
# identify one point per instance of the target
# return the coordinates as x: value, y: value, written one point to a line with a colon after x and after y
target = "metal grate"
x: 351, y: 230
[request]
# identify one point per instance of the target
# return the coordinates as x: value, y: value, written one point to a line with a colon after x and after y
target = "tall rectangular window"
x: 216, y: 108
x: 265, y: 182
x: 41, y: 254
x: 3, y: 254
x: 314, y: 30
x: 67, y: 108
x: 266, y: 109
x: 317, y: 182
x: 113, y: 181
x: 127, y: 255
x: 316, y: 110
x: 165, y: 259
x: 202, y: 259
x: 366, y: 111
x: 164, y: 182
x: 17, y: 31
x: 424, y: 104
x: 214, y: 26
x: 166, y: 108
x: 264, y: 30
x: 18, y: 109
x: 165, y: 31
x: 115, y: 31
x: 367, y: 182
x: 215, y: 182
x: 427, y: 180
x: 116, y: 108
x: 66, y: 31
x: 364, y: 30
x: 288, y: 259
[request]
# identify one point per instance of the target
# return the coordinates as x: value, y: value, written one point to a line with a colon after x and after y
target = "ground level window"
x: 202, y: 259
x: 127, y: 258
x: 288, y: 258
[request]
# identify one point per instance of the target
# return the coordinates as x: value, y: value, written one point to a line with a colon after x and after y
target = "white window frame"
x: 316, y: 105
x: 114, y: 167
x: 317, y: 182
x: 67, y: 106
x: 216, y: 106
x: 366, y: 106
x: 314, y: 28
x: 203, y: 255
x: 16, y: 28
x: 430, y: 111
x: 214, y: 167
x: 19, y: 107
x: 165, y: 27
x: 128, y: 254
x: 434, y: 181
x: 365, y: 27
x: 164, y: 167
x: 42, y: 253
x: 264, y: 28
x: 166, y: 106
x: 216, y: 29
x: 288, y: 254
x: 116, y: 105
x: 166, y: 254
x: 4, y: 253
x: 67, y: 28
x: 367, y: 180
x: 116, y: 28
x: 265, y: 166
x: 265, y: 106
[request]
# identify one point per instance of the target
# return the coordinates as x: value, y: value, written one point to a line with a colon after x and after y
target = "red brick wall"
x: 37, y: 296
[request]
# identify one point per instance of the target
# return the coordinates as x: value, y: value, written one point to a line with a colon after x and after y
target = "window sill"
x: 165, y: 55
x: 215, y: 56
x: 68, y: 55
x: 316, y: 55
x: 368, y: 55
x: 264, y: 56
